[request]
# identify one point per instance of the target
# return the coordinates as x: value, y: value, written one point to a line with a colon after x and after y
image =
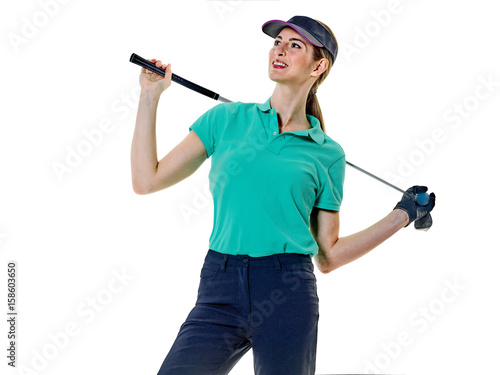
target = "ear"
x: 320, y: 67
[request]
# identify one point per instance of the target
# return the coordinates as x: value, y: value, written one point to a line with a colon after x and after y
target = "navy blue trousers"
x: 268, y: 304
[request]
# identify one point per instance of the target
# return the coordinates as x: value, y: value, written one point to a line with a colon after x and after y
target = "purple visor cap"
x: 311, y: 30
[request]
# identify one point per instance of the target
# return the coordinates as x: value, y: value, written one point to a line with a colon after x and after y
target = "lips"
x: 277, y: 64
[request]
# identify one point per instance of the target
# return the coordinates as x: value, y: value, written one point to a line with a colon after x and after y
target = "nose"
x: 280, y: 50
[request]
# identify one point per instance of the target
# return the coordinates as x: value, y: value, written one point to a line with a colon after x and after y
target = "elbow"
x: 141, y: 188
x: 327, y: 268
x: 147, y: 188
x: 325, y: 265
x: 145, y: 183
x: 327, y: 259
x: 138, y: 190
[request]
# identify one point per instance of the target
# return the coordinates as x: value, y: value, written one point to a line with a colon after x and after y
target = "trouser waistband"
x: 276, y: 260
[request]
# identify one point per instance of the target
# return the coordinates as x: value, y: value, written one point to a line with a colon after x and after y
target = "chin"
x: 274, y: 78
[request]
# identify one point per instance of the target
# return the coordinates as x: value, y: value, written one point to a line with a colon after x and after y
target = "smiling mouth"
x: 279, y: 65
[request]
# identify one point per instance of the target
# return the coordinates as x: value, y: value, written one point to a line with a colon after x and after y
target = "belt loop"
x: 277, y: 263
x: 223, y: 264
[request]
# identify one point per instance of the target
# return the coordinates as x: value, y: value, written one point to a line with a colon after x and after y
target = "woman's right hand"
x: 154, y: 82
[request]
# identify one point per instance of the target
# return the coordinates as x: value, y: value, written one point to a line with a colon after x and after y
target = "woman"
x: 276, y: 180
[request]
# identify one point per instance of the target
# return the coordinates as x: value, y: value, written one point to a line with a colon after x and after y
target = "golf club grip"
x: 136, y: 59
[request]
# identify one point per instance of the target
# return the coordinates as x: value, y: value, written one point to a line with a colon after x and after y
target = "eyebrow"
x: 300, y: 40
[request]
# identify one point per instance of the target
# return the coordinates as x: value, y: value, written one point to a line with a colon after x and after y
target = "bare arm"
x: 148, y: 174
x: 335, y: 252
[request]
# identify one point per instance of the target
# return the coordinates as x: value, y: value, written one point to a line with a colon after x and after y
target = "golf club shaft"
x: 375, y: 177
x: 136, y: 59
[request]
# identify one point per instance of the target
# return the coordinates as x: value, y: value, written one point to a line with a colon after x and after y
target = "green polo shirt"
x: 264, y: 184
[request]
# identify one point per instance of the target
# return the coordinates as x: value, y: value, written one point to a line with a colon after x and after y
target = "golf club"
x: 421, y: 199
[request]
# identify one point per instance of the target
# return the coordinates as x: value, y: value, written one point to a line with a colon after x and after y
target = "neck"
x: 290, y: 105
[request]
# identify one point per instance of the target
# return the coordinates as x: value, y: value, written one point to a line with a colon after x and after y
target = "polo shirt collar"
x: 265, y: 107
x: 316, y: 133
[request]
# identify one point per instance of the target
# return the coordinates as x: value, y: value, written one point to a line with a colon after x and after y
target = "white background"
x: 402, y: 67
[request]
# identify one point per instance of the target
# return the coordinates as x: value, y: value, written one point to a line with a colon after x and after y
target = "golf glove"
x: 420, y: 214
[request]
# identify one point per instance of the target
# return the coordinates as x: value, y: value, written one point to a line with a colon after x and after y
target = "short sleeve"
x: 209, y: 126
x: 330, y: 194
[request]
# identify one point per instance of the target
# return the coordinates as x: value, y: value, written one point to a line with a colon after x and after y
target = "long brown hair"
x: 312, y: 105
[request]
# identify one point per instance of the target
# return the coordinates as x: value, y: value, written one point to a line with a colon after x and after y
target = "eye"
x: 276, y: 42
x: 295, y: 44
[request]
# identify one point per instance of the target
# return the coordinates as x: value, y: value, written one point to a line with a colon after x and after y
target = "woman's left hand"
x: 410, y: 205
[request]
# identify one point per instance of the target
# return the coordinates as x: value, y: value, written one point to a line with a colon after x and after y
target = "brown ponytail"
x: 312, y: 105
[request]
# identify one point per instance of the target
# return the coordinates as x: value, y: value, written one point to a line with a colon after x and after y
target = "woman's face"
x: 290, y: 59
